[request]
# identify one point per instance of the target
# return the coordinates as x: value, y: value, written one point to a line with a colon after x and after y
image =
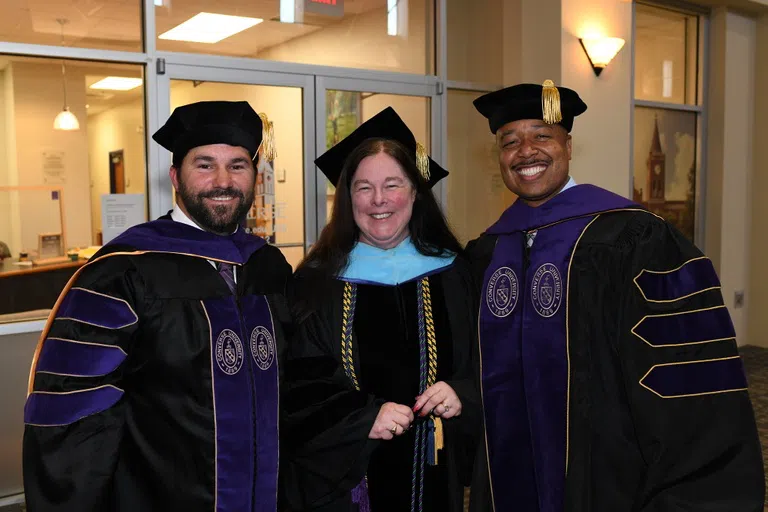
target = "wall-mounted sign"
x: 325, y: 7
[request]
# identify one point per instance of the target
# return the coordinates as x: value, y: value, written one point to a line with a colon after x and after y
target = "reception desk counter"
x: 26, y: 288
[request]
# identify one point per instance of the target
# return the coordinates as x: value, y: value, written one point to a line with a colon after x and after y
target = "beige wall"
x: 121, y: 127
x: 729, y: 165
x: 475, y: 32
x: 37, y: 99
x: 601, y: 136
x: 476, y: 194
x: 757, y: 288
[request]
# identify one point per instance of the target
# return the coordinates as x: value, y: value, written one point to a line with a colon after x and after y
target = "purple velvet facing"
x: 261, y: 346
x: 67, y: 357
x: 96, y: 309
x: 246, y: 453
x: 694, y: 277
x: 696, y: 378
x: 233, y: 403
x: 577, y: 201
x: 55, y: 409
x: 686, y: 328
x: 168, y: 236
x: 523, y: 340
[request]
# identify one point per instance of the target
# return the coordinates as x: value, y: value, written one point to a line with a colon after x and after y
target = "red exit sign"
x: 325, y: 7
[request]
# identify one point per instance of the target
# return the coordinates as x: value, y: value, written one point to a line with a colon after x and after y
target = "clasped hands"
x: 393, y: 419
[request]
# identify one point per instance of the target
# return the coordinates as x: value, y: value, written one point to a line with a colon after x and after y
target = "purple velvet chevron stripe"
x: 686, y: 328
x: 577, y: 201
x: 69, y: 357
x: 696, y: 378
x: 55, y: 409
x: 96, y: 309
x: 233, y: 408
x: 665, y: 286
x: 262, y: 348
x: 165, y: 235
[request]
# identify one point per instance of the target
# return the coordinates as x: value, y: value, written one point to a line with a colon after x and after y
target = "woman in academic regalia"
x: 382, y: 407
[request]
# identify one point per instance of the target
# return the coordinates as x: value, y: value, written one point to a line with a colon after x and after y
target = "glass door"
x: 343, y: 104
x: 283, y: 211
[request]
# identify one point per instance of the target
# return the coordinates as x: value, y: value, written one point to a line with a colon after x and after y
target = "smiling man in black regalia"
x: 155, y: 383
x: 611, y: 378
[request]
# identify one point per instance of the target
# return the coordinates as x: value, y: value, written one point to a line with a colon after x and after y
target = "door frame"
x: 160, y: 188
x: 314, y: 84
x: 425, y: 90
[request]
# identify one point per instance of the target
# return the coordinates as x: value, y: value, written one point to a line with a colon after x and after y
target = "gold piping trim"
x: 70, y: 393
x: 596, y: 214
x: 213, y: 401
x: 568, y: 345
x: 82, y: 343
x: 691, y: 394
x: 277, y: 379
x: 683, y: 344
x: 482, y: 398
x: 669, y: 272
x: 90, y: 343
x: 135, y: 316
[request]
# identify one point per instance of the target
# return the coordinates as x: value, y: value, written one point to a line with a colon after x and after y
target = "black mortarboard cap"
x: 384, y: 125
x: 217, y: 122
x: 531, y: 101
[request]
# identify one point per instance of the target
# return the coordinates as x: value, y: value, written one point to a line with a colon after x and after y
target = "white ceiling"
x: 116, y: 24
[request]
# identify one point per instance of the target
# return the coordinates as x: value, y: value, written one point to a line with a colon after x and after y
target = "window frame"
x: 699, y: 108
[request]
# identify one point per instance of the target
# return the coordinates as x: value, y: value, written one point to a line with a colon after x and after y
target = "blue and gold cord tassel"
x: 347, y: 320
x: 348, y: 302
x: 435, y: 432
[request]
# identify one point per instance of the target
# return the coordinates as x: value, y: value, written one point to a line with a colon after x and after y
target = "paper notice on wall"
x: 54, y: 167
x: 119, y: 212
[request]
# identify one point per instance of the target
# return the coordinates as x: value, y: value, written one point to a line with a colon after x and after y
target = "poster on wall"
x: 54, y: 167
x: 119, y: 212
x: 266, y: 217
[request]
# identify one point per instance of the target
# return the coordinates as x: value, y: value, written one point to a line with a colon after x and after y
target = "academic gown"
x: 611, y: 378
x: 154, y: 387
x: 329, y: 462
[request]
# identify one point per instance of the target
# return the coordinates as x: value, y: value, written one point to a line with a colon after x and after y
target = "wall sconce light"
x: 601, y: 50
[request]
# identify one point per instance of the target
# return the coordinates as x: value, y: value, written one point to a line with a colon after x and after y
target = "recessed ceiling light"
x: 209, y: 28
x: 117, y: 83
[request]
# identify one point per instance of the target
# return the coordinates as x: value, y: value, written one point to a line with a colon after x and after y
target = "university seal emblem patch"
x: 502, y: 292
x: 229, y: 352
x: 262, y: 347
x: 547, y: 290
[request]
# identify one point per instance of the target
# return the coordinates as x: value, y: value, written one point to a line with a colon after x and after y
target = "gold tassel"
x: 267, y: 146
x: 422, y: 161
x: 438, y: 436
x: 550, y: 103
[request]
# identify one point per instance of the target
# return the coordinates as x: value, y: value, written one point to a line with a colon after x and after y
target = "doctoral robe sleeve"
x: 326, y: 422
x: 75, y: 412
x: 684, y: 379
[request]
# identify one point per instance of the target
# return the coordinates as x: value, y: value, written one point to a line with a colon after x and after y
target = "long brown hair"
x: 428, y: 228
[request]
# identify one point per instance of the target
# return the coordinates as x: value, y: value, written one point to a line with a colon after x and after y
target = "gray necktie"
x: 226, y: 270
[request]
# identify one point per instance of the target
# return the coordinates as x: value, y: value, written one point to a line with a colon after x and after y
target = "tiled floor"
x: 756, y: 364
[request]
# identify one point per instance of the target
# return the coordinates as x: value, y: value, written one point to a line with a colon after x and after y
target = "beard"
x: 220, y: 219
